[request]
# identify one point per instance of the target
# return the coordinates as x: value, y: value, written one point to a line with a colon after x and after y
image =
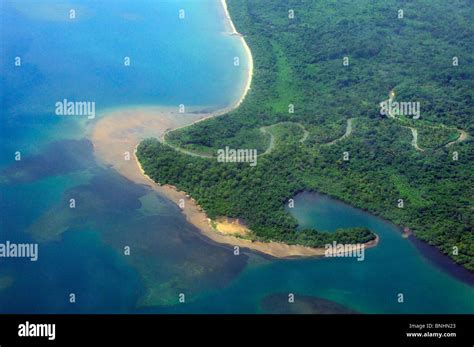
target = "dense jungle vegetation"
x: 299, y: 61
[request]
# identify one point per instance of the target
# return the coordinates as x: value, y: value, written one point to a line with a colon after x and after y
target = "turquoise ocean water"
x: 173, y: 61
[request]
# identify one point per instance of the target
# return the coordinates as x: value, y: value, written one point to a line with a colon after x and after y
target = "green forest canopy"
x: 300, y: 62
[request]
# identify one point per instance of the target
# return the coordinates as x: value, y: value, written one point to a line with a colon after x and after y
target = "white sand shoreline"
x: 248, y: 83
x: 247, y: 50
x: 195, y: 215
x: 118, y: 133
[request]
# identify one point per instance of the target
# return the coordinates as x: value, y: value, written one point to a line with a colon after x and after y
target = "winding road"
x: 264, y: 130
x: 162, y: 139
x: 271, y: 145
x: 346, y: 133
x: 463, y: 135
x: 414, y: 142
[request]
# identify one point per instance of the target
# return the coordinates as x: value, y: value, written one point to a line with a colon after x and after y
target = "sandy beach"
x: 226, y: 228
x: 117, y: 134
x: 231, y: 226
x: 248, y: 53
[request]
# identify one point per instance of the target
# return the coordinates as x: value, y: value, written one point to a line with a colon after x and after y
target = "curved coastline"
x: 120, y: 131
x: 248, y: 53
x: 195, y: 215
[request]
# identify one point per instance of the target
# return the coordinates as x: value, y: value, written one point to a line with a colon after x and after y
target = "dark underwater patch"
x: 169, y: 254
x: 278, y: 304
x: 58, y: 158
